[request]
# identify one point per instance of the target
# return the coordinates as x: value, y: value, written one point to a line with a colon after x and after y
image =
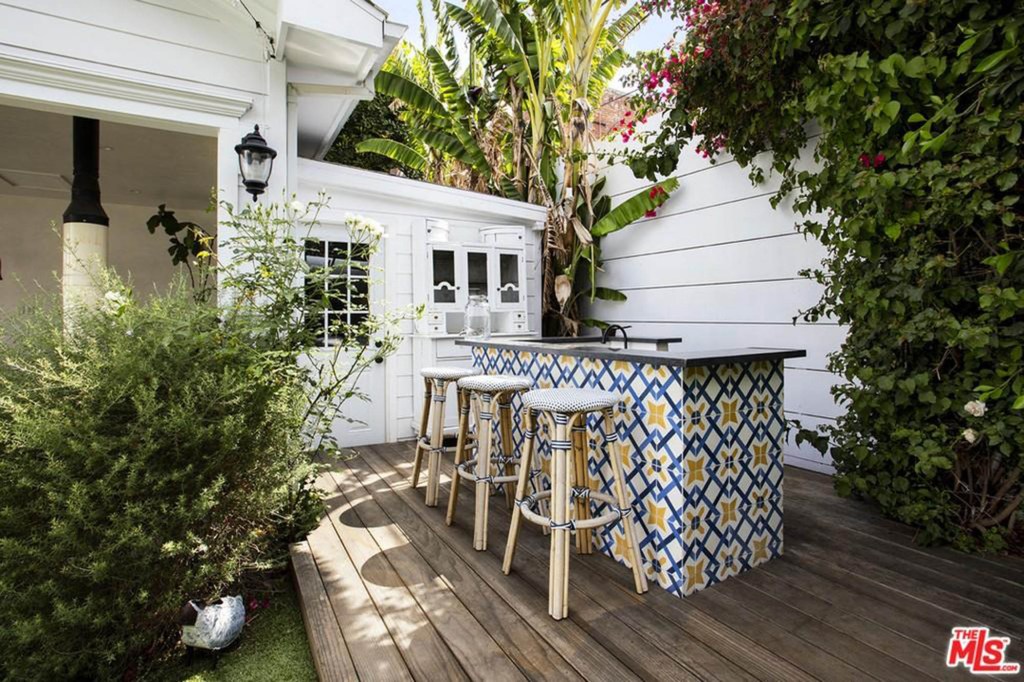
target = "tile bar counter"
x: 705, y: 430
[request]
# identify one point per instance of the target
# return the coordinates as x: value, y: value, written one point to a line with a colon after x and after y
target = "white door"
x: 362, y: 421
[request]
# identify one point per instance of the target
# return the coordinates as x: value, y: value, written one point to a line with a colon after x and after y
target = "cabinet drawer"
x: 447, y: 350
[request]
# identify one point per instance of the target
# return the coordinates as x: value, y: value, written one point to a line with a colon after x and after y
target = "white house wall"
x: 32, y: 248
x: 720, y: 268
x: 403, y: 206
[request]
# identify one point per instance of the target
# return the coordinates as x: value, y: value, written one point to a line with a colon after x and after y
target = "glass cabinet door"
x: 510, y: 276
x: 443, y: 277
x: 477, y: 272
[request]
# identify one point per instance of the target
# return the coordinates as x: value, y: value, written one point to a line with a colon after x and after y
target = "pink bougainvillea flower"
x: 651, y: 213
x: 865, y: 160
x: 879, y: 160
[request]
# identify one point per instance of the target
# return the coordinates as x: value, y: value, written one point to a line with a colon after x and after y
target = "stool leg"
x: 436, y: 441
x: 424, y: 421
x: 525, y: 462
x: 559, y: 571
x: 483, y: 470
x: 616, y: 454
x: 460, y: 454
x: 584, y: 543
x: 507, y: 449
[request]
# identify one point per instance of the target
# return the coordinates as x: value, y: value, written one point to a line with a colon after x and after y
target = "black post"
x: 85, y: 204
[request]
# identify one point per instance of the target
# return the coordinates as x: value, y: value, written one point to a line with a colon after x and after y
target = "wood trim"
x: 78, y: 78
x: 320, y: 174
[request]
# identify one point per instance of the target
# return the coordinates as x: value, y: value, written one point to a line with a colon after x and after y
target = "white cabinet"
x: 457, y: 271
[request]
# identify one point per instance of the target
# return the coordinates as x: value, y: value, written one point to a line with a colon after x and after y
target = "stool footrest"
x: 527, y: 504
x: 466, y: 471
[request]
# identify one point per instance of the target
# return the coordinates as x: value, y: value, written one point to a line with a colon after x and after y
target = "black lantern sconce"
x: 255, y: 161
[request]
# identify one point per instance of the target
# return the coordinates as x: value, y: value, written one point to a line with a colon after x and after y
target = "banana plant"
x: 436, y: 108
x: 579, y: 279
x: 516, y: 114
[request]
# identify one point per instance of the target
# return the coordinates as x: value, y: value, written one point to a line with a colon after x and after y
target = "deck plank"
x: 906, y: 622
x: 904, y: 650
x: 976, y: 585
x: 621, y: 624
x: 423, y: 649
x: 815, y: 491
x: 534, y: 656
x: 374, y: 652
x: 590, y: 660
x: 331, y: 658
x: 852, y: 597
x: 473, y: 647
x: 856, y: 520
x: 925, y: 584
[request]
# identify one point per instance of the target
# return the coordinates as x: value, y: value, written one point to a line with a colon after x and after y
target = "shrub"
x: 154, y: 452
x: 915, y: 195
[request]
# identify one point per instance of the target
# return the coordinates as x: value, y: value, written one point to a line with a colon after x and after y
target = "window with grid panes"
x: 347, y: 289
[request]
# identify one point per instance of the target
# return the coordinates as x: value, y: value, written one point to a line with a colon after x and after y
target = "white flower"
x: 360, y: 223
x: 975, y: 408
x: 114, y: 302
x: 296, y: 206
x: 970, y: 435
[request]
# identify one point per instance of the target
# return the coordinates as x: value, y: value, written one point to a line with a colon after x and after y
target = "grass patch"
x: 273, y: 647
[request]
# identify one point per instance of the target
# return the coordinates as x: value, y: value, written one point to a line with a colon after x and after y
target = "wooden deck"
x: 389, y: 593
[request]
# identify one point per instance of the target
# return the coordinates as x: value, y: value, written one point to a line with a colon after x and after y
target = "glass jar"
x: 478, y: 318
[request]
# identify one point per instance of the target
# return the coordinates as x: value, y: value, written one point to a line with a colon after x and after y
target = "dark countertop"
x: 596, y: 338
x: 686, y: 358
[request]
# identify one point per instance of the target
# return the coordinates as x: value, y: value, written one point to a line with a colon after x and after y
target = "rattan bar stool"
x: 565, y: 410
x: 482, y: 392
x: 435, y: 388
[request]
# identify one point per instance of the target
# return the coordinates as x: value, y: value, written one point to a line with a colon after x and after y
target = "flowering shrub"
x: 918, y: 178
x: 154, y: 452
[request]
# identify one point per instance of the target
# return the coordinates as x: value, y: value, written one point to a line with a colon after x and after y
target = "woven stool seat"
x: 493, y: 383
x: 448, y: 373
x: 569, y: 400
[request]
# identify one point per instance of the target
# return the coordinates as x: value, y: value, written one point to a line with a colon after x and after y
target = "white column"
x: 85, y: 259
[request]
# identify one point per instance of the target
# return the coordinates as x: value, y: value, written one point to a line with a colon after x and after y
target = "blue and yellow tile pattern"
x: 704, y: 460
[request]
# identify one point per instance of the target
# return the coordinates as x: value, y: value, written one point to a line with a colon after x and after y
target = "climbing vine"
x: 895, y: 128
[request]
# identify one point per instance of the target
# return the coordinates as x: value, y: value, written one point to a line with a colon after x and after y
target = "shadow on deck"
x: 390, y: 593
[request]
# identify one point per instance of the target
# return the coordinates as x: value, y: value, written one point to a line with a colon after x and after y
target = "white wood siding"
x: 403, y: 206
x: 212, y: 44
x: 720, y: 268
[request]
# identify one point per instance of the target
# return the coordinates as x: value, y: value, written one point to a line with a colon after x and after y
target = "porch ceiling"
x: 138, y: 166
x: 333, y: 51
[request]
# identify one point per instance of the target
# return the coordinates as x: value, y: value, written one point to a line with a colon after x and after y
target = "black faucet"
x: 610, y: 330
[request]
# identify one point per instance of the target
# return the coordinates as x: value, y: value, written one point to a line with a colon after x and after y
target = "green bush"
x: 914, y: 192
x: 155, y: 452
x: 144, y: 460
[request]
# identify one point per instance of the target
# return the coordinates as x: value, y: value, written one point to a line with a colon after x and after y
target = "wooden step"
x: 330, y: 655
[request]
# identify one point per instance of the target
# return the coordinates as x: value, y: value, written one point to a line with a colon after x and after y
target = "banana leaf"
x: 404, y: 90
x: 606, y: 294
x: 396, y: 151
x: 447, y: 86
x: 634, y: 208
x: 490, y: 14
